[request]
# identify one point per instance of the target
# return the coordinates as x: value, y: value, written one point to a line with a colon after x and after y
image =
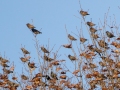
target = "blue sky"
x: 51, y: 16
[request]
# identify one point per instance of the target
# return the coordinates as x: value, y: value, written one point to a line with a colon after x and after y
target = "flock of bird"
x: 32, y: 66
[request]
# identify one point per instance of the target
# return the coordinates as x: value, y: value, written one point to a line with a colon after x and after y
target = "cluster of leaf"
x: 96, y: 66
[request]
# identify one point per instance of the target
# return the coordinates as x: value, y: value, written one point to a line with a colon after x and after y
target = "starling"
x: 91, y: 48
x: 39, y: 75
x: 72, y: 57
x: 83, y: 40
x: 24, y: 77
x: 31, y: 65
x: 84, y: 13
x: 71, y: 37
x: 102, y: 64
x: 30, y: 26
x: 98, y: 51
x: 47, y: 77
x: 25, y: 51
x: 103, y: 44
x: 68, y: 46
x: 7, y: 71
x: 95, y: 36
x: 24, y: 59
x: 92, y: 30
x: 46, y: 58
x: 44, y: 50
x: 90, y: 24
x: 109, y: 34
x: 4, y: 65
x: 4, y: 60
x: 92, y: 65
x: 54, y: 76
x: 35, y: 31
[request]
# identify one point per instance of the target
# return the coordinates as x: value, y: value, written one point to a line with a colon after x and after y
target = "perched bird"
x: 109, y: 34
x: 47, y: 77
x: 24, y: 59
x: 68, y: 46
x: 91, y: 48
x: 4, y: 65
x: 31, y: 65
x: 46, y: 58
x: 4, y: 60
x: 35, y: 31
x: 25, y: 51
x: 98, y: 51
x: 39, y: 75
x: 105, y: 59
x: 83, y: 40
x: 53, y: 75
x: 84, y: 13
x: 72, y: 57
x: 92, y: 65
x: 103, y: 44
x: 102, y: 64
x: 7, y: 71
x: 44, y: 50
x: 30, y: 26
x: 24, y: 77
x: 95, y: 36
x: 92, y: 30
x: 71, y: 37
x: 90, y: 24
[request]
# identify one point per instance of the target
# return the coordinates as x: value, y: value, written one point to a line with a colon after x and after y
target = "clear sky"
x: 51, y: 16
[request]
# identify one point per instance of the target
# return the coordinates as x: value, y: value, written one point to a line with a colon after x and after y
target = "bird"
x: 103, y: 44
x: 54, y: 75
x: 4, y: 60
x: 31, y: 65
x: 109, y: 34
x: 71, y: 37
x: 44, y: 50
x: 72, y: 57
x: 98, y: 51
x: 24, y: 59
x: 47, y: 77
x: 35, y: 31
x: 67, y: 46
x: 24, y: 77
x: 7, y: 71
x: 102, y: 64
x: 91, y: 48
x: 46, y: 58
x: 4, y: 65
x: 84, y: 13
x: 83, y: 40
x: 90, y: 24
x: 92, y: 30
x: 25, y: 51
x: 30, y: 26
x: 95, y: 36
x: 92, y: 65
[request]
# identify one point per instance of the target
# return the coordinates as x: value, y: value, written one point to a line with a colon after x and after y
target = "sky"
x: 52, y: 16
